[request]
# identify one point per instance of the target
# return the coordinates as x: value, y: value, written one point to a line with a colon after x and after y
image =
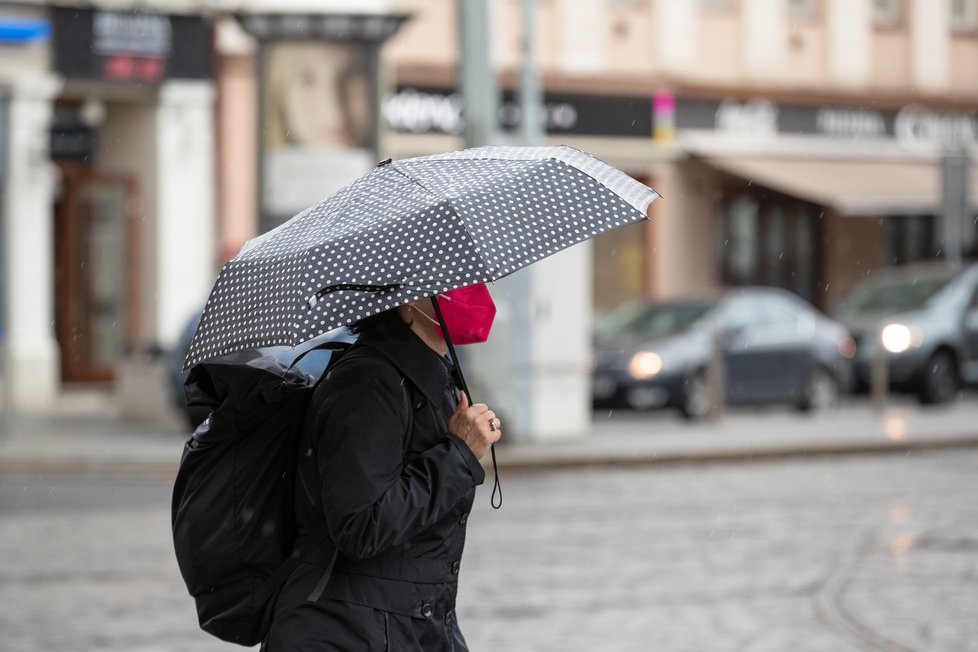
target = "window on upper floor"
x: 964, y: 15
x: 802, y: 10
x: 887, y: 14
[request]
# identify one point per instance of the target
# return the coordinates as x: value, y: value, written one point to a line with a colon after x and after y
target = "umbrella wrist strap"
x: 497, y: 490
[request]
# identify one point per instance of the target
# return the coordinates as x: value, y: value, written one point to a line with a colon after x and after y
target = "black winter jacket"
x: 379, y: 471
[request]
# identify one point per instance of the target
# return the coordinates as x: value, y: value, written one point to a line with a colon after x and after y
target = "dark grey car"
x: 923, y: 319
x: 775, y: 349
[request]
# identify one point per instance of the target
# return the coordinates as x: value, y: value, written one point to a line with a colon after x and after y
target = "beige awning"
x: 849, y: 186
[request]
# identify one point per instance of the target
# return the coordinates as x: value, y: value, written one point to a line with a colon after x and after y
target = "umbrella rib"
x: 465, y: 227
x: 396, y: 168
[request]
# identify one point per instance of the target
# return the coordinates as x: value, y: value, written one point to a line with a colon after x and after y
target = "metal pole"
x: 5, y: 406
x: 531, y: 97
x: 954, y: 174
x: 878, y: 376
x: 716, y: 377
x: 476, y: 82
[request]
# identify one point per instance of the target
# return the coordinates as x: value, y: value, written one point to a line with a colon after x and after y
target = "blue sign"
x: 20, y: 30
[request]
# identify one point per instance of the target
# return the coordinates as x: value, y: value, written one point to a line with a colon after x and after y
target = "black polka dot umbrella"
x: 408, y: 230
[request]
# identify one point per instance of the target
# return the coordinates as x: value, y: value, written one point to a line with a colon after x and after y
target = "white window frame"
x: 888, y: 14
x: 965, y: 20
x: 802, y: 10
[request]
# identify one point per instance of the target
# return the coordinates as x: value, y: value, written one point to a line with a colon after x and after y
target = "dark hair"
x: 361, y: 326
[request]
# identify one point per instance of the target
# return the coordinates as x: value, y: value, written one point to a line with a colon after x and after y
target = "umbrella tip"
x: 384, y: 162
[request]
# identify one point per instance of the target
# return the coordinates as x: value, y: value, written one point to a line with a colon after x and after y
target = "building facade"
x: 109, y: 165
x: 796, y: 143
x: 132, y: 169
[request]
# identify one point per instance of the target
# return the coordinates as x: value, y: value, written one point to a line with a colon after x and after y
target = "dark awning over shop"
x: 849, y: 186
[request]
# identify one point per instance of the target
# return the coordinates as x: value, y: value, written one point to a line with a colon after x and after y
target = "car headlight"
x: 896, y: 338
x: 644, y: 365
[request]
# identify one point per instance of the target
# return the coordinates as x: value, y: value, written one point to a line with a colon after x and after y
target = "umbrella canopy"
x: 407, y: 230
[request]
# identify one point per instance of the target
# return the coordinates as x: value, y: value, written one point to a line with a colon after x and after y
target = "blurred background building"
x: 797, y: 143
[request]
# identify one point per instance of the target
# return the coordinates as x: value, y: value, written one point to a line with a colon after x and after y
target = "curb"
x: 542, y: 459
x: 134, y: 469
x: 518, y: 459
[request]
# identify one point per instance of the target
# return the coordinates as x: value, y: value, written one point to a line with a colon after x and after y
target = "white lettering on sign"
x: 414, y: 111
x: 852, y: 123
x: 917, y: 128
x: 135, y: 34
x: 556, y: 115
x: 753, y: 118
x: 561, y: 115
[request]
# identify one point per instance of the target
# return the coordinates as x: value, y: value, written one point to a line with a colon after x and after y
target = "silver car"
x: 923, y: 320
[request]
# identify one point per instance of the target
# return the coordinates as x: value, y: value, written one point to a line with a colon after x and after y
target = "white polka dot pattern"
x: 408, y: 230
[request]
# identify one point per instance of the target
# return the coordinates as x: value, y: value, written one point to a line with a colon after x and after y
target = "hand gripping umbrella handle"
x: 497, y: 491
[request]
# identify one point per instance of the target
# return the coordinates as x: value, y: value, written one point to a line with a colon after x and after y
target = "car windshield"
x: 635, y: 321
x: 892, y: 296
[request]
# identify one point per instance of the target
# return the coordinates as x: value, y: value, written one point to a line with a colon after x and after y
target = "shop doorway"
x: 770, y: 241
x: 96, y: 265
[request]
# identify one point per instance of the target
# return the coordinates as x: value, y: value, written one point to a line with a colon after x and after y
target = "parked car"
x: 924, y: 320
x: 775, y: 348
x: 312, y: 364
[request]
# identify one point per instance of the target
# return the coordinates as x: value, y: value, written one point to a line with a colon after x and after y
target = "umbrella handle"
x: 497, y: 491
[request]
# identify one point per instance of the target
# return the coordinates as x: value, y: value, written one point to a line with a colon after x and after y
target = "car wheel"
x: 696, y: 397
x: 821, y: 391
x: 939, y: 383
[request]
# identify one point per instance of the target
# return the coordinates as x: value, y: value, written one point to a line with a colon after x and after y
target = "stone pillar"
x: 186, y: 257
x: 535, y: 369
x: 560, y: 328
x: 930, y: 57
x: 850, y: 34
x: 763, y: 53
x: 31, y: 354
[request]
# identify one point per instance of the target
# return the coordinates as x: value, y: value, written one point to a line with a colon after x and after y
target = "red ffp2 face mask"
x: 468, y: 314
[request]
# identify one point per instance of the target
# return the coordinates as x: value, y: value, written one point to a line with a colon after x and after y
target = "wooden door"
x: 96, y: 272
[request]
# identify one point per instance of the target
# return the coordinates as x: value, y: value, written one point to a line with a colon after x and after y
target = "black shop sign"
x: 130, y: 46
x: 439, y: 110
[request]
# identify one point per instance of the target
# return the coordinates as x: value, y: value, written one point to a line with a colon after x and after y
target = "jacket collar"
x: 412, y: 357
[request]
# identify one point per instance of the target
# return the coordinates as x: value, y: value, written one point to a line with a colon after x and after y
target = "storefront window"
x: 764, y: 241
x: 910, y: 239
x: 804, y: 233
x: 619, y: 267
x: 741, y: 247
x: 775, y: 242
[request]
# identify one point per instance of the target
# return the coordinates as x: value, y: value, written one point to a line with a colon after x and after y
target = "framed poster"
x: 319, y: 124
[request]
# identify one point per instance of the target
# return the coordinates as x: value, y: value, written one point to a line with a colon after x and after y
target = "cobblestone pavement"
x: 840, y: 554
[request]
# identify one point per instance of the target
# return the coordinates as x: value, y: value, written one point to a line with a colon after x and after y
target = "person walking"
x: 388, y: 467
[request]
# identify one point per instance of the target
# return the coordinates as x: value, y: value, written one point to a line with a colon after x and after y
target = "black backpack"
x: 232, y: 512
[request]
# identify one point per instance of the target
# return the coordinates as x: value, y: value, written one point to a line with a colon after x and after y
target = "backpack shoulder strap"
x: 338, y: 349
